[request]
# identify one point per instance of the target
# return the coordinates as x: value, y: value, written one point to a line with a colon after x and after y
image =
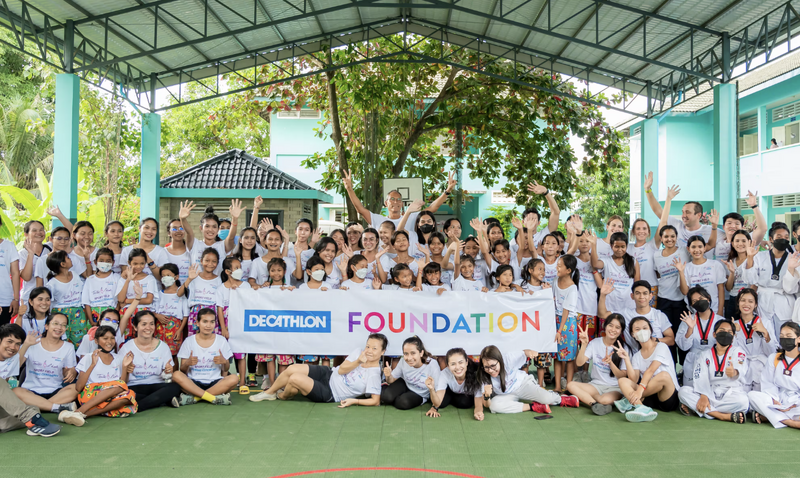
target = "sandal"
x: 244, y: 390
x: 756, y: 417
x: 738, y: 417
x: 685, y: 410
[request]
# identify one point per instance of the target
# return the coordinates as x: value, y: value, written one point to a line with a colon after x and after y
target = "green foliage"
x: 597, y: 201
x: 504, y: 215
x: 26, y: 139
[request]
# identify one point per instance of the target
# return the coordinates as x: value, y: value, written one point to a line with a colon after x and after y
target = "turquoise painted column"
x: 151, y: 166
x: 65, y: 145
x: 725, y: 148
x: 649, y: 163
x: 763, y: 137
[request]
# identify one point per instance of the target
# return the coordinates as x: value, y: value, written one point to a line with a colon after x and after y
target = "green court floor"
x: 277, y: 438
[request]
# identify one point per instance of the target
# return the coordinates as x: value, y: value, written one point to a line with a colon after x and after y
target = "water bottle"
x: 13, y: 382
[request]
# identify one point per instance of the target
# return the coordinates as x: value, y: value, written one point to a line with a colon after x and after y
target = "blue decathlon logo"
x: 305, y: 321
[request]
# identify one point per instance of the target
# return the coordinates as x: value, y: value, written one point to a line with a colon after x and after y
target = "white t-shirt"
x: 158, y: 254
x: 171, y: 305
x: 708, y: 275
x: 461, y: 284
x: 68, y: 294
x: 662, y: 355
x: 388, y: 262
x: 78, y: 266
x: 514, y: 376
x: 550, y: 271
x: 203, y: 292
x: 415, y: 377
x: 32, y: 325
x: 601, y: 373
x: 395, y: 287
x: 183, y: 261
x: 684, y: 234
x: 587, y: 292
x: 566, y: 299
x: 260, y: 272
x: 88, y: 345
x: 149, y: 286
x: 644, y: 256
x: 604, y: 251
x: 447, y: 379
x: 376, y: 220
x: 99, y: 292
x: 147, y: 367
x: 434, y: 289
x: 514, y: 267
x: 224, y: 294
x: 621, y: 296
x: 9, y: 259
x: 197, y: 253
x: 101, y: 372
x: 366, y: 285
x: 206, y: 371
x: 357, y: 382
x: 115, y: 268
x: 9, y: 367
x: 29, y: 285
x: 658, y: 323
x: 669, y: 285
x: 45, y: 369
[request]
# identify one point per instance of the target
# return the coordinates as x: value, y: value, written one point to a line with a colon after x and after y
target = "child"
x: 108, y: 318
x: 533, y: 276
x: 204, y: 359
x: 621, y: 268
x: 113, y: 232
x: 83, y: 236
x: 430, y: 279
x: 317, y: 277
x: 694, y: 335
x: 61, y: 238
x: 370, y: 251
x: 402, y: 278
x: 565, y: 292
x: 259, y: 271
x: 472, y: 249
x: 209, y: 225
x: 154, y: 254
x: 38, y: 311
x: 67, y: 290
x: 246, y: 251
x: 437, y: 245
x: 550, y: 255
x: 177, y: 252
x: 357, y: 270
x: 172, y: 312
x: 778, y: 401
x: 407, y: 387
x: 754, y: 336
x: 591, y: 280
x: 232, y: 274
x: 326, y: 251
x: 707, y: 273
x: 400, y: 243
x: 101, y: 390
x: 100, y: 289
x: 277, y: 280
x: 504, y: 275
x: 500, y: 256
x: 201, y: 287
x: 135, y: 272
x: 465, y: 276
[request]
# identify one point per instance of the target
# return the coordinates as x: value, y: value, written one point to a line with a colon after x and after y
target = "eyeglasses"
x: 395, y: 199
x: 176, y: 229
x: 494, y: 366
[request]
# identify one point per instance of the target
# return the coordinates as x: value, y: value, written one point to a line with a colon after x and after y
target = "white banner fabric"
x: 335, y: 322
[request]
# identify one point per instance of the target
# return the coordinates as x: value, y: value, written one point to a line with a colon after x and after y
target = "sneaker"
x: 175, y: 403
x: 583, y: 376
x: 67, y: 406
x: 623, y: 405
x: 73, y: 418
x: 260, y: 397
x: 38, y: 426
x: 540, y: 407
x: 251, y: 380
x: 641, y: 413
x: 600, y: 409
x: 569, y: 401
x: 563, y: 383
x: 224, y: 399
x: 187, y: 399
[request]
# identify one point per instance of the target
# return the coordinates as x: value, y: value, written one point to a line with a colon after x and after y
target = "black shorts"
x: 321, y: 391
x: 206, y: 386
x: 669, y: 405
x: 46, y: 396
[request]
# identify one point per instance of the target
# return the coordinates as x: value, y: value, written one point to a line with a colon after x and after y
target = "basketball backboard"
x: 409, y: 188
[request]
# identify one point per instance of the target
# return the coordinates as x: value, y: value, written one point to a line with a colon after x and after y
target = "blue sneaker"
x: 641, y: 413
x: 623, y: 405
x: 38, y: 426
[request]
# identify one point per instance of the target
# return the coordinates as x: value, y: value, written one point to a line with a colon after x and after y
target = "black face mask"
x: 780, y: 244
x: 788, y: 344
x: 701, y: 305
x: 426, y: 228
x: 724, y: 338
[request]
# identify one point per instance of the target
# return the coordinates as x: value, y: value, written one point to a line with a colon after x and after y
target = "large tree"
x: 522, y: 133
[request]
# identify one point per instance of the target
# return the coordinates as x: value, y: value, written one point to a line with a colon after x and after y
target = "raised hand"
x: 537, y: 188
x: 714, y: 217
x: 577, y: 221
x: 679, y: 264
x: 731, y: 266
x: 621, y: 352
x: 583, y: 335
x: 648, y: 181
x: 793, y: 261
x: 186, y: 209
x: 316, y: 236
x: 607, y: 357
x: 29, y: 246
x: 688, y: 319
x: 416, y: 205
x: 54, y: 211
x: 347, y: 179
x: 127, y: 361
x: 673, y: 191
x: 194, y: 271
x: 257, y: 202
x: 192, y: 359
x: 347, y: 250
x: 342, y: 265
x: 32, y: 338
x: 376, y: 282
x: 591, y: 238
x: 608, y: 287
x: 451, y: 181
x: 220, y: 359
x: 424, y: 249
x: 387, y: 370
x: 752, y: 199
x: 267, y: 225
x: 517, y: 223
x: 421, y: 263
x: 475, y: 223
x: 95, y: 357
x: 751, y: 251
x: 531, y: 223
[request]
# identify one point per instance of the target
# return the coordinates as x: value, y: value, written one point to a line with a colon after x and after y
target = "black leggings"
x: 155, y: 395
x: 458, y: 400
x: 673, y: 309
x: 5, y: 315
x: 252, y: 365
x: 400, y: 396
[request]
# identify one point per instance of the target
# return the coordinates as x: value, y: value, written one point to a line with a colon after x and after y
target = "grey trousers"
x: 13, y: 411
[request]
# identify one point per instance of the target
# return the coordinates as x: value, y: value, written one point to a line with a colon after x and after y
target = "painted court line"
x: 376, y: 468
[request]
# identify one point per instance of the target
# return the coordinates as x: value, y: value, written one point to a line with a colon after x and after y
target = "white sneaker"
x: 73, y: 418
x: 187, y: 399
x: 260, y: 397
x: 224, y: 399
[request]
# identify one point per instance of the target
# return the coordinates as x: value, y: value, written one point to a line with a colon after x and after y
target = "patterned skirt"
x: 192, y: 324
x: 92, y: 389
x: 225, y: 317
x: 568, y: 345
x: 77, y: 323
x: 589, y: 324
x: 169, y: 333
x: 279, y: 359
x: 131, y: 332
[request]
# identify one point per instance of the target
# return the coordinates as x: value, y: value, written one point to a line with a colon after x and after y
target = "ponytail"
x: 628, y: 261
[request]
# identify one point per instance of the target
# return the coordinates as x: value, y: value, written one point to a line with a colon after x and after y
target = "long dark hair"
x: 571, y: 263
x: 396, y: 270
x: 430, y: 268
x: 417, y: 342
x: 322, y: 244
x: 471, y: 383
x: 495, y: 276
x: 353, y: 261
x: 628, y: 261
x: 108, y: 226
x: 54, y: 261
x: 795, y: 328
x: 527, y: 271
x: 238, y: 252
x: 277, y: 261
x: 733, y: 254
x: 346, y: 239
x: 620, y: 340
x: 315, y: 260
x: 50, y: 319
x: 422, y: 214
x: 493, y: 353
x: 227, y: 264
x: 172, y: 268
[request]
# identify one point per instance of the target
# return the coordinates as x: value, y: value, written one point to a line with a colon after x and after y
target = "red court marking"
x: 378, y: 468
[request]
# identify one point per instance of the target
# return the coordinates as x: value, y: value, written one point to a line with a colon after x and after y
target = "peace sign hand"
x: 621, y: 352
x: 688, y: 319
x: 607, y: 357
x: 583, y: 335
x: 347, y: 179
x: 648, y: 181
x: 451, y: 182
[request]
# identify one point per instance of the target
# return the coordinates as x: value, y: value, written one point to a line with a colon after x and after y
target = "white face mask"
x: 318, y: 275
x: 167, y: 281
x: 361, y: 273
x: 642, y: 335
x: 104, y: 266
x: 237, y: 274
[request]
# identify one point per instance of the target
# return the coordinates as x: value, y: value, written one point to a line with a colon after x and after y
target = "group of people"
x: 116, y: 330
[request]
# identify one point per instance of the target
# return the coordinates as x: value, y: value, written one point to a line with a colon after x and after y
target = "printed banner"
x: 335, y: 322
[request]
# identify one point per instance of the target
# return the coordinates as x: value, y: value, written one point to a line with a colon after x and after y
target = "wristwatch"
x: 151, y: 263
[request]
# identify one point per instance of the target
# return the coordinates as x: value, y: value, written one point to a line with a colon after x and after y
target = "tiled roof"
x: 234, y: 169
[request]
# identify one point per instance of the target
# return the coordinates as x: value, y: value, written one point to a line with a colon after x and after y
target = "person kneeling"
x: 205, y: 360
x: 716, y: 390
x: 653, y: 364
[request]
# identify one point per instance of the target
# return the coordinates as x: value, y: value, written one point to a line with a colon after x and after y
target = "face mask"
x: 361, y: 273
x: 788, y: 344
x: 110, y: 323
x: 701, y: 305
x: 318, y: 275
x: 724, y: 338
x: 642, y: 335
x: 167, y: 281
x: 104, y: 266
x: 223, y: 233
x: 237, y: 274
x: 426, y: 228
x: 780, y: 244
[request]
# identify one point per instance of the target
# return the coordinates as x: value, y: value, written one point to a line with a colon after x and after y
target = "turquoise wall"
x: 689, y: 155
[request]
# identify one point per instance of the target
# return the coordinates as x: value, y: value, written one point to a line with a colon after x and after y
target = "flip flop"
x: 244, y: 390
x: 683, y: 409
x: 738, y: 418
x: 756, y: 417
